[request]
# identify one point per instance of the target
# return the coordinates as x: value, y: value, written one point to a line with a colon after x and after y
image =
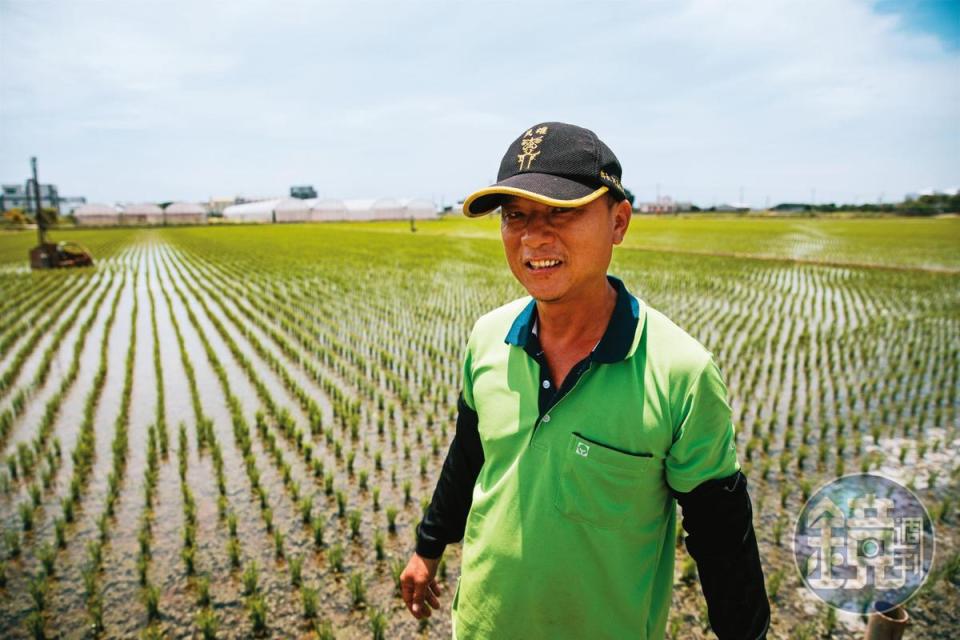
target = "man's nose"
x: 537, y: 232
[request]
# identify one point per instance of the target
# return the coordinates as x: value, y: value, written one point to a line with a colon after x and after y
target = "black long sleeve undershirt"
x: 717, y: 516
x: 446, y: 517
x: 718, y: 519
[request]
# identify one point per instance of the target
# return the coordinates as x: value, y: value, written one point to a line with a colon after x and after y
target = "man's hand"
x: 418, y: 584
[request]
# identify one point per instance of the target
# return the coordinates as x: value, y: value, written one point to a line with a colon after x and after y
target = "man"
x: 584, y: 415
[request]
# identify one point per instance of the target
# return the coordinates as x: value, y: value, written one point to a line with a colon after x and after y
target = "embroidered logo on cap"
x: 583, y: 449
x: 529, y: 145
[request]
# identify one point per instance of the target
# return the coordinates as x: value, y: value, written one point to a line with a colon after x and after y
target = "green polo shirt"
x: 572, y: 526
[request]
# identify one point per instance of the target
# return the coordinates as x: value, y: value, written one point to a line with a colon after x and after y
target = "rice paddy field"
x: 232, y: 431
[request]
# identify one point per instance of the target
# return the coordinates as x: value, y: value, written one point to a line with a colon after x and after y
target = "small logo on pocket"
x: 583, y: 449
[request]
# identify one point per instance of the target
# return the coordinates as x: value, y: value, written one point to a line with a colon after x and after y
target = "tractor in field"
x: 53, y: 255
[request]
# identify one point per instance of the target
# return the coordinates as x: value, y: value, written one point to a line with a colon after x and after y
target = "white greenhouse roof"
x: 95, y: 209
x: 330, y: 209
x: 185, y: 208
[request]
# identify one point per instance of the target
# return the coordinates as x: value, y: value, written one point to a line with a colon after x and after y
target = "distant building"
x: 20, y: 196
x: 216, y: 205
x: 663, y: 204
x: 97, y: 215
x: 184, y: 213
x: 303, y: 192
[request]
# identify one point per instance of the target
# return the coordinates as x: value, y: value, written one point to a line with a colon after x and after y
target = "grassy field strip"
x: 102, y: 243
x: 924, y: 244
x: 776, y: 257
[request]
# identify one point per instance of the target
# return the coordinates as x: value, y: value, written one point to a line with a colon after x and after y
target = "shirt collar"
x: 617, y: 340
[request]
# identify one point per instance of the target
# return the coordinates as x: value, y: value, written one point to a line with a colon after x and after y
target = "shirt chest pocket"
x: 606, y: 487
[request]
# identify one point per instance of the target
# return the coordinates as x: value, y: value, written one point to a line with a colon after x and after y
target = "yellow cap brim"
x: 523, y: 193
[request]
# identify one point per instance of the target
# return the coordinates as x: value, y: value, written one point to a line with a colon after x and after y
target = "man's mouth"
x: 539, y: 265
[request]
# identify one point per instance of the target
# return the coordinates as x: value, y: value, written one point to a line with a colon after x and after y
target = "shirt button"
x: 546, y: 418
x: 546, y: 384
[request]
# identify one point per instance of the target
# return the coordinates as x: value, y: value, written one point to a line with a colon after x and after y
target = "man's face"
x: 559, y: 254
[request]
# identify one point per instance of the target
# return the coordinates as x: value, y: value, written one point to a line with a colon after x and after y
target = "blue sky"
x: 852, y: 100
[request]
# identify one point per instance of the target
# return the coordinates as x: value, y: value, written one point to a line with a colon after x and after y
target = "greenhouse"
x: 359, y: 210
x: 293, y: 210
x: 419, y: 209
x: 261, y: 211
x: 137, y: 214
x: 330, y: 210
x: 96, y: 215
x: 185, y: 213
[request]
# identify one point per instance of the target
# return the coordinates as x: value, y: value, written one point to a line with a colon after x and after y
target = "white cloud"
x: 140, y: 100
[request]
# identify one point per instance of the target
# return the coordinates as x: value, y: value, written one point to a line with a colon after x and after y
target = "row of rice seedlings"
x: 435, y: 440
x: 18, y: 289
x: 791, y: 372
x: 22, y: 468
x: 308, y: 595
x: 119, y: 448
x: 83, y: 458
x: 336, y: 359
x: 160, y: 420
x: 206, y: 619
x: 242, y: 438
x: 345, y: 410
x: 297, y: 392
x: 285, y: 424
x: 13, y: 370
x: 156, y: 432
x: 364, y: 371
x: 81, y: 455
x: 24, y: 308
x: 19, y: 402
x: 293, y: 434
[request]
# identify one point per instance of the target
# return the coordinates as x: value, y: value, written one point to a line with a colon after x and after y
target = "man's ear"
x: 622, y: 212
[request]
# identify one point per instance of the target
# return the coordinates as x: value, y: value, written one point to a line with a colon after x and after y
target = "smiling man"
x: 585, y: 416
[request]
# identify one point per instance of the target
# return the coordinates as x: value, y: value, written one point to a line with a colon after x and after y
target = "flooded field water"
x: 235, y: 434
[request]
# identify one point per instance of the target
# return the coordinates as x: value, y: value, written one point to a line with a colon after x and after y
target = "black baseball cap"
x: 553, y: 163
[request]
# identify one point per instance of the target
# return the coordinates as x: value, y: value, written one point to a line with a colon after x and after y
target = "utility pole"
x: 38, y: 209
